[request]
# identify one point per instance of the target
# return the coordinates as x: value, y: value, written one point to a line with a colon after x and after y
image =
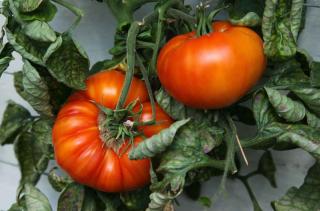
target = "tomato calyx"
x: 204, y: 22
x: 117, y: 126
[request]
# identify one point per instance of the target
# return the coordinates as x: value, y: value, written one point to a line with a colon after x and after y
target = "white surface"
x: 95, y: 33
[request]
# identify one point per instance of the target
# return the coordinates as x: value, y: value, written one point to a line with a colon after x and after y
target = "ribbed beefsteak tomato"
x: 79, y: 139
x: 213, y: 70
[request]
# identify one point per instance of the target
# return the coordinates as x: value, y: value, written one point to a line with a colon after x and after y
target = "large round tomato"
x: 213, y: 70
x: 79, y: 137
x: 162, y: 120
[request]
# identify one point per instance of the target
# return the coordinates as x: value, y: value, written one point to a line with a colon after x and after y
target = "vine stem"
x: 161, y: 13
x: 182, y: 15
x: 76, y: 11
x: 149, y: 89
x: 123, y: 10
x: 131, y: 50
x: 253, y: 198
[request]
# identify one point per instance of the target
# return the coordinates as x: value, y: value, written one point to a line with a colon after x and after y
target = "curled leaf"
x: 304, y: 198
x: 315, y: 74
x: 157, y: 143
x: 286, y: 108
x: 311, y: 146
x: 34, y: 199
x: 25, y: 46
x: 251, y: 19
x: 280, y: 26
x: 27, y: 5
x: 58, y: 182
x: 45, y: 12
x: 15, y: 117
x: 310, y: 96
x: 72, y: 197
x: 33, y: 88
x: 262, y: 110
x: 313, y: 120
x: 5, y: 57
x: 179, y: 111
x: 159, y: 201
x: 40, y: 31
x: 69, y: 64
x: 296, y: 17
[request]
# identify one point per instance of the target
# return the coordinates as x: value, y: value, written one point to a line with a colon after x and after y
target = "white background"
x: 95, y: 34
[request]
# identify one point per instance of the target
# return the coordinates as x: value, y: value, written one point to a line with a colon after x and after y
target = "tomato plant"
x: 213, y: 70
x: 159, y: 117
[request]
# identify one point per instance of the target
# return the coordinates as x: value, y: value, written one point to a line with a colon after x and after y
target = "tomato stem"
x: 149, y: 89
x: 123, y: 10
x: 204, y: 23
x: 131, y: 50
x: 161, y: 17
x: 79, y: 13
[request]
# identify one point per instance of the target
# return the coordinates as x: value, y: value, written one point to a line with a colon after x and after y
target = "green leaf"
x: 290, y: 110
x: 313, y: 120
x: 58, y: 182
x: 33, y: 88
x: 315, y: 74
x: 136, y: 200
x: 267, y: 137
x: 287, y: 74
x: 26, y: 47
x: 5, y: 57
x: 16, y: 207
x: 32, y: 156
x: 296, y: 17
x: 111, y: 202
x: 246, y: 12
x: 35, y: 200
x: 52, y: 48
x: 179, y: 111
x: 310, y: 145
x: 14, y: 119
x: 68, y: 64
x: 45, y: 12
x: 105, y: 65
x: 72, y: 198
x: 27, y: 5
x: 280, y: 25
x: 205, y: 201
x: 267, y: 168
x: 40, y: 31
x: 310, y: 96
x: 262, y: 110
x: 250, y: 19
x: 42, y: 129
x: 186, y: 153
x: 305, y: 198
x: 89, y: 203
x: 157, y: 143
x: 159, y: 201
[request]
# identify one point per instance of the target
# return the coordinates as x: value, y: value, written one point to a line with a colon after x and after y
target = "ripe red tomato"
x: 78, y: 137
x: 163, y: 120
x: 214, y: 70
x: 105, y: 88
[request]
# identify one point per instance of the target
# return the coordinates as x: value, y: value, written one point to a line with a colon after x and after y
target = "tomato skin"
x: 105, y: 88
x: 163, y: 120
x: 78, y: 145
x: 214, y: 70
